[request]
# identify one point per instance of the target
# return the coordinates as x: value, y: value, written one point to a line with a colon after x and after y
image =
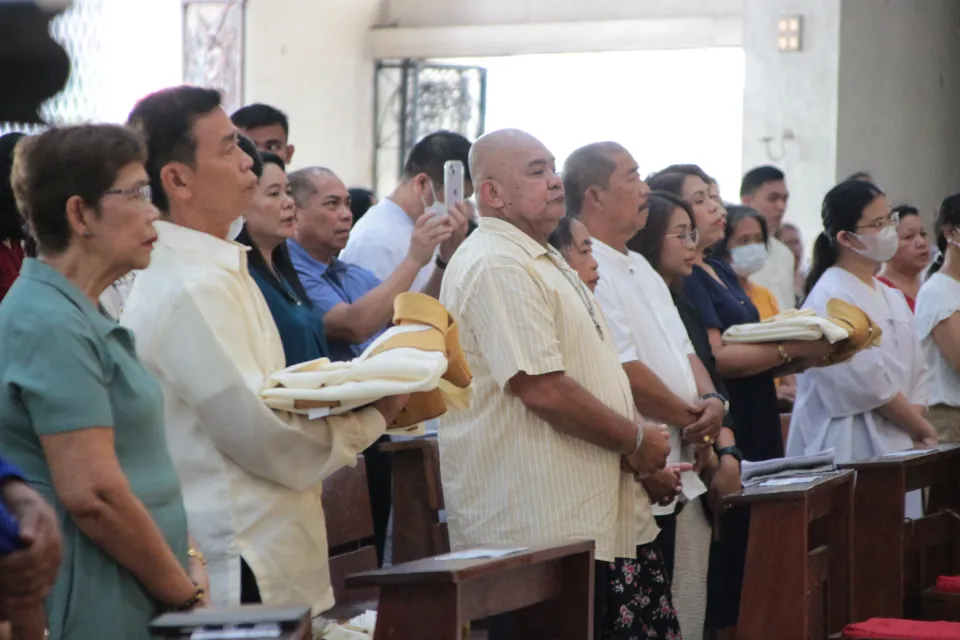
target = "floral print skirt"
x: 639, y: 604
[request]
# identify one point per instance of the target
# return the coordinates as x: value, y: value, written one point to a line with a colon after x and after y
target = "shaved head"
x: 491, y: 151
x: 516, y: 181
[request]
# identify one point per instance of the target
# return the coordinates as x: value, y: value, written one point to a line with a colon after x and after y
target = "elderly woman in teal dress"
x: 79, y: 414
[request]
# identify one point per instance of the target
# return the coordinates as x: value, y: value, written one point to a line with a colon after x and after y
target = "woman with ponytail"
x: 938, y: 323
x: 875, y: 402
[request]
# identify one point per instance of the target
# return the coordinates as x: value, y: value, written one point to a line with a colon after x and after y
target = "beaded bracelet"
x: 192, y: 602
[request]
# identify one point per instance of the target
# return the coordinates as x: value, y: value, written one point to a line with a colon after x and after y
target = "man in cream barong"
x: 550, y: 445
x: 251, y: 477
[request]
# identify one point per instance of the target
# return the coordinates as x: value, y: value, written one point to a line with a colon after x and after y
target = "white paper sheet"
x: 472, y: 554
x: 779, y: 482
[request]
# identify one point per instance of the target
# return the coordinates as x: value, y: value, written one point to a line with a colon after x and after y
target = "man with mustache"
x: 538, y: 456
x: 250, y: 476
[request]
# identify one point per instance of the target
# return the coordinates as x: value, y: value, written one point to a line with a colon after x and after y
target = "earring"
x: 87, y: 234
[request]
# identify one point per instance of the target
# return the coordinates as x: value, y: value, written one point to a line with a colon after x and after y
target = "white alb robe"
x: 836, y: 406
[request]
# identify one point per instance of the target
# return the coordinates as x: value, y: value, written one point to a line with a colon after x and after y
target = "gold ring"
x: 707, y: 439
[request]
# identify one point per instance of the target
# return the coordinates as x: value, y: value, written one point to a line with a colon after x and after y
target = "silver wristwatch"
x: 726, y: 403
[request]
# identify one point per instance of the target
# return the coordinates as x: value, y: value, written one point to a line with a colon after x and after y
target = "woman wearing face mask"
x: 875, y: 402
x: 744, y: 246
x: 905, y: 269
x: 938, y: 323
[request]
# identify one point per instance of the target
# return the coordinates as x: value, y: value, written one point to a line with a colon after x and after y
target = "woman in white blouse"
x: 938, y: 323
x: 874, y: 403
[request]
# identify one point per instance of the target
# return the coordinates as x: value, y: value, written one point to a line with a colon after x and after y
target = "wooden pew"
x: 550, y: 587
x: 798, y: 575
x: 417, y: 500
x: 350, y: 538
x: 895, y: 560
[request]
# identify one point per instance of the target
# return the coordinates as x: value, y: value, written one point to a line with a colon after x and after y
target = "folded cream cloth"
x: 802, y: 324
x: 420, y: 355
x: 847, y: 326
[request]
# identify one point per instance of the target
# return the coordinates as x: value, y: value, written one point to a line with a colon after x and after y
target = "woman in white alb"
x: 938, y: 323
x: 875, y: 402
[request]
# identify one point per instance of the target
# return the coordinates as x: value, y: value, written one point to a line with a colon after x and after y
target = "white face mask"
x: 437, y: 207
x: 748, y: 259
x: 880, y: 246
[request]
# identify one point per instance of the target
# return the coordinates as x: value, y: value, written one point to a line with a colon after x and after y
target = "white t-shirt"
x: 380, y: 241
x: 939, y: 298
x: 647, y: 327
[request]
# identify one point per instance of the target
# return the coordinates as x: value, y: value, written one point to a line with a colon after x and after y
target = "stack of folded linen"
x: 754, y: 472
x: 846, y: 326
x: 419, y: 355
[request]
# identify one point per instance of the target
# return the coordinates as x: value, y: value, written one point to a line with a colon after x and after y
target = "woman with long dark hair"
x: 669, y: 243
x: 875, y: 402
x: 938, y: 323
x: 904, y: 271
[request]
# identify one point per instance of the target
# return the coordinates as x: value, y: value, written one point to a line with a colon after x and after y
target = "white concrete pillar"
x: 793, y: 92
x: 312, y: 60
x: 873, y: 88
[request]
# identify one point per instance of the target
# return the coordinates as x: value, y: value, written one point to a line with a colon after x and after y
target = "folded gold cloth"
x: 420, y: 355
x: 864, y: 332
x: 420, y: 309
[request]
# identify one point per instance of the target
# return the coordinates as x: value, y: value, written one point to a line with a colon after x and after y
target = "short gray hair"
x: 301, y: 183
x: 589, y: 166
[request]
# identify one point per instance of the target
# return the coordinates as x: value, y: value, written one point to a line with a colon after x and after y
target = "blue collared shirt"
x: 9, y: 531
x: 329, y: 285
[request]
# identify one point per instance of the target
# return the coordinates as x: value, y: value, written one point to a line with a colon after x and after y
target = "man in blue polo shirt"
x: 356, y: 305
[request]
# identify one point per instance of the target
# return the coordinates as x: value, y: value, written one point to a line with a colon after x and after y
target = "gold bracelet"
x: 784, y: 358
x: 194, y: 553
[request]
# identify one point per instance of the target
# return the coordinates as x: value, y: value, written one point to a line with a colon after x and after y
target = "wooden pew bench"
x: 417, y: 500
x: 896, y: 560
x: 350, y: 538
x: 798, y: 575
x: 549, y: 586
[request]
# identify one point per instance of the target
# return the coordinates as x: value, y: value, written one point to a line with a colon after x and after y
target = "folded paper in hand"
x: 846, y: 326
x: 420, y: 355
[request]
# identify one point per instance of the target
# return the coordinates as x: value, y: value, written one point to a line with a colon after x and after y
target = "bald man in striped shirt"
x: 551, y: 444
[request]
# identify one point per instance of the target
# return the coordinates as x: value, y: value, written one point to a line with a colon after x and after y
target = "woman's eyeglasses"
x: 141, y: 193
x: 689, y: 238
x: 892, y: 220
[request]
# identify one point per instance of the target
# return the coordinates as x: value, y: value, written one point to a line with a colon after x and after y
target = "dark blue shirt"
x: 720, y: 306
x: 329, y: 285
x: 753, y: 399
x: 9, y: 531
x: 299, y: 324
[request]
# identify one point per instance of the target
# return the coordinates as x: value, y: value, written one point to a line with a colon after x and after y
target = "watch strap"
x: 734, y: 452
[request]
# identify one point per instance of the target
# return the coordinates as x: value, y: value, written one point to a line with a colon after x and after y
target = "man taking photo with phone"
x: 380, y: 241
